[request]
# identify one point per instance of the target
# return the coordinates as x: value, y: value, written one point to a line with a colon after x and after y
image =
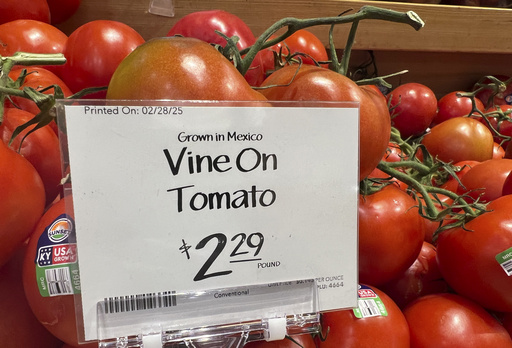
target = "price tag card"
x: 183, y: 196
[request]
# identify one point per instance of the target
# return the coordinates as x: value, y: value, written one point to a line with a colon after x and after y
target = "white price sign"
x: 176, y: 197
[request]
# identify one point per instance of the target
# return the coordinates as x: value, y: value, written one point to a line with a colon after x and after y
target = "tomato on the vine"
x: 502, y: 125
x: 461, y: 168
x: 302, y: 44
x: 313, y: 83
x: 387, y: 219
x: 343, y: 329
x: 469, y: 256
x: 203, y: 25
x: 459, y: 139
x: 500, y: 98
x: 179, y: 68
x: 449, y: 320
x: 23, y: 200
x: 11, y: 10
x: 451, y: 105
x: 94, y: 51
x: 413, y: 107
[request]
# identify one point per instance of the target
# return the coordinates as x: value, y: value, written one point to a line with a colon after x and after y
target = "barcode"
x: 59, y: 281
x: 507, y: 266
x: 368, y: 308
x: 140, y: 302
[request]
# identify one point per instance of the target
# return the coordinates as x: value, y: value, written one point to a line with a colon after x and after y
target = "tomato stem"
x: 295, y: 24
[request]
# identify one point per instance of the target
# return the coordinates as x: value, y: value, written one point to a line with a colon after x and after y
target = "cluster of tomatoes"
x: 444, y: 166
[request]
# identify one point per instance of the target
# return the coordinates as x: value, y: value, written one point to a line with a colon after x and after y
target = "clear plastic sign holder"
x: 162, y: 7
x: 227, y: 317
x: 221, y: 316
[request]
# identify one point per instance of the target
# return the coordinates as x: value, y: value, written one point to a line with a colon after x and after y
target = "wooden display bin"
x: 456, y: 47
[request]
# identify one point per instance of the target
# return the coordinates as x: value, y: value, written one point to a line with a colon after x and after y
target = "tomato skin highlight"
x: 388, y: 219
x: 450, y: 320
x: 179, y: 68
x: 467, y: 256
x: 312, y: 83
x: 348, y: 331
x: 460, y: 139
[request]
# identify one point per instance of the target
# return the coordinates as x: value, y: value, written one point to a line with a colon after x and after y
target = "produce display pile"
x: 435, y: 209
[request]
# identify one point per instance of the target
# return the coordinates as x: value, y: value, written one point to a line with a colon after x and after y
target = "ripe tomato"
x: 93, y: 52
x: 315, y: 83
x: 373, y: 329
x: 469, y: 258
x: 203, y: 25
x: 459, y: 139
x: 312, y: 50
x: 23, y: 200
x: 56, y: 313
x: 393, y: 154
x: 486, y: 180
x: 388, y: 219
x: 18, y: 325
x: 422, y: 278
x: 11, y: 10
x: 304, y: 341
x: 37, y: 78
x: 449, y: 320
x: 179, y: 68
x: 507, y: 322
x: 451, y: 105
x: 413, y: 106
x: 26, y: 35
x: 61, y: 10
x: 498, y: 151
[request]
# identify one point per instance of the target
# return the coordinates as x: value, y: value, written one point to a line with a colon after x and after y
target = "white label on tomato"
x: 179, y: 198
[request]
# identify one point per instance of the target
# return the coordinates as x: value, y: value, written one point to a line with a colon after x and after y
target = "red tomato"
x: 304, y: 341
x: 393, y: 154
x: 25, y: 35
x: 507, y: 185
x: 181, y: 69
x: 469, y: 258
x: 315, y: 83
x: 56, y: 313
x: 37, y: 78
x: 312, y: 50
x: 451, y: 105
x: 11, y: 10
x: 203, y: 24
x: 61, y: 10
x: 501, y: 98
x: 388, y: 219
x: 18, y: 325
x: 449, y: 320
x: 346, y: 330
x: 485, y: 181
x: 422, y: 278
x: 23, y: 201
x: 413, y: 106
x: 459, y: 139
x: 41, y: 148
x: 93, y: 52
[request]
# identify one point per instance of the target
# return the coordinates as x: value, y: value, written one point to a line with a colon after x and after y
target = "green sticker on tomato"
x: 369, y: 304
x: 505, y: 261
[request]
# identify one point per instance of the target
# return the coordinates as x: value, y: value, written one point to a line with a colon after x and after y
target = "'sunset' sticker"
x: 505, y: 261
x: 56, y: 260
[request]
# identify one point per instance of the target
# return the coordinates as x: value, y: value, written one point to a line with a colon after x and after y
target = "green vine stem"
x: 294, y: 24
